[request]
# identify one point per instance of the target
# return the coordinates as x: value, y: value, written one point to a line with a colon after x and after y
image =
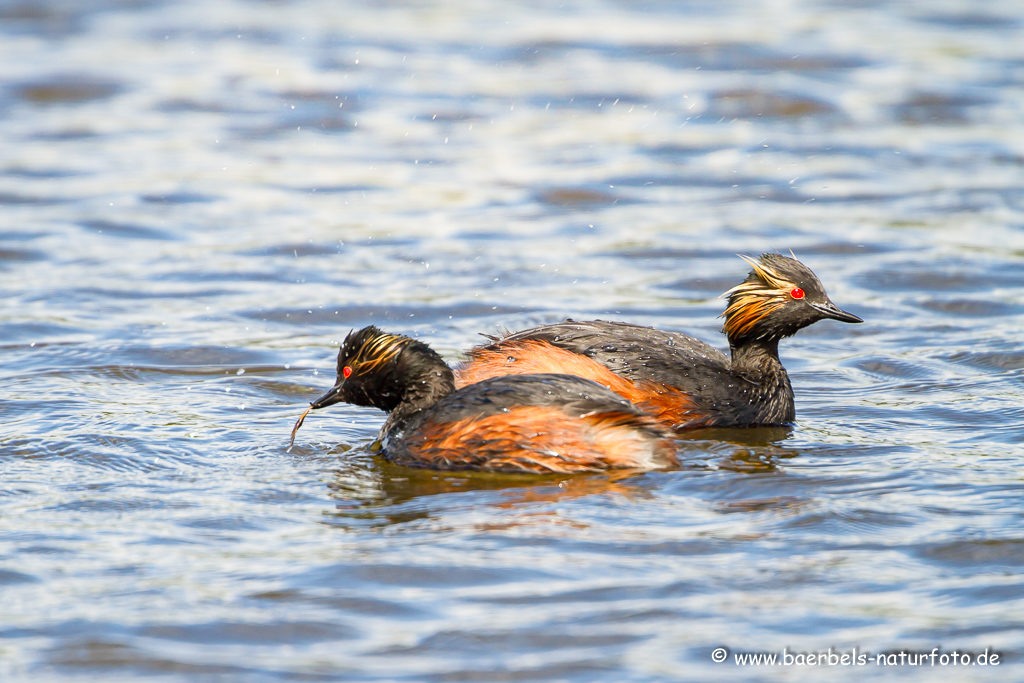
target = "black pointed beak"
x: 831, y: 311
x: 330, y: 398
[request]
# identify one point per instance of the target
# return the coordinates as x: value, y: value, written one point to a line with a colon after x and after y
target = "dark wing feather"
x: 645, y: 354
x: 637, y: 352
x: 575, y: 395
x: 530, y: 423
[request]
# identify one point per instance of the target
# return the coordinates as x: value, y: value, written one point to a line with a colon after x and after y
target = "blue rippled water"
x: 198, y: 200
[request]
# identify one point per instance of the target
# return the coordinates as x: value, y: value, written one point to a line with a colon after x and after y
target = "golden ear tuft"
x: 768, y: 274
x: 748, y: 308
x: 750, y: 302
x: 378, y: 350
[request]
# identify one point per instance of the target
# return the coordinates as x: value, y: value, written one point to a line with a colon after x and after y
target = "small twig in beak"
x: 298, y: 424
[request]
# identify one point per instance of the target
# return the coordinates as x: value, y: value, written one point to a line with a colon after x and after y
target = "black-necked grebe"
x: 542, y: 423
x: 680, y: 380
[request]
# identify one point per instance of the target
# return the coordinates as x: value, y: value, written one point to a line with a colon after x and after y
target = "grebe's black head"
x: 385, y: 370
x: 779, y: 297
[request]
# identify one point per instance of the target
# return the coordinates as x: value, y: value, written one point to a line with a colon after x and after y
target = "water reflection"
x: 755, y: 449
x: 370, y: 481
x: 371, y: 488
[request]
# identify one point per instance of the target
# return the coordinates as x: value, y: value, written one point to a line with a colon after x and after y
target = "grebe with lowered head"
x: 541, y: 423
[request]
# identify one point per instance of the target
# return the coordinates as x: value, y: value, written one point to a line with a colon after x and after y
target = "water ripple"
x: 200, y: 200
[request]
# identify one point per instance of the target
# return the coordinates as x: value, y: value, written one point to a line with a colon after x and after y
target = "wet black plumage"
x: 749, y: 386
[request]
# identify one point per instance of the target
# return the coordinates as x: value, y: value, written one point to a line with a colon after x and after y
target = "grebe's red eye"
x: 346, y: 371
x: 797, y: 293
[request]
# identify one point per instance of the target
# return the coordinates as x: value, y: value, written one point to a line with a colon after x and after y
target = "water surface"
x: 199, y: 200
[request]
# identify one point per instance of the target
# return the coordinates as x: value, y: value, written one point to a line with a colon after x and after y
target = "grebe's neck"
x: 756, y: 356
x: 425, y: 380
x: 766, y: 389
